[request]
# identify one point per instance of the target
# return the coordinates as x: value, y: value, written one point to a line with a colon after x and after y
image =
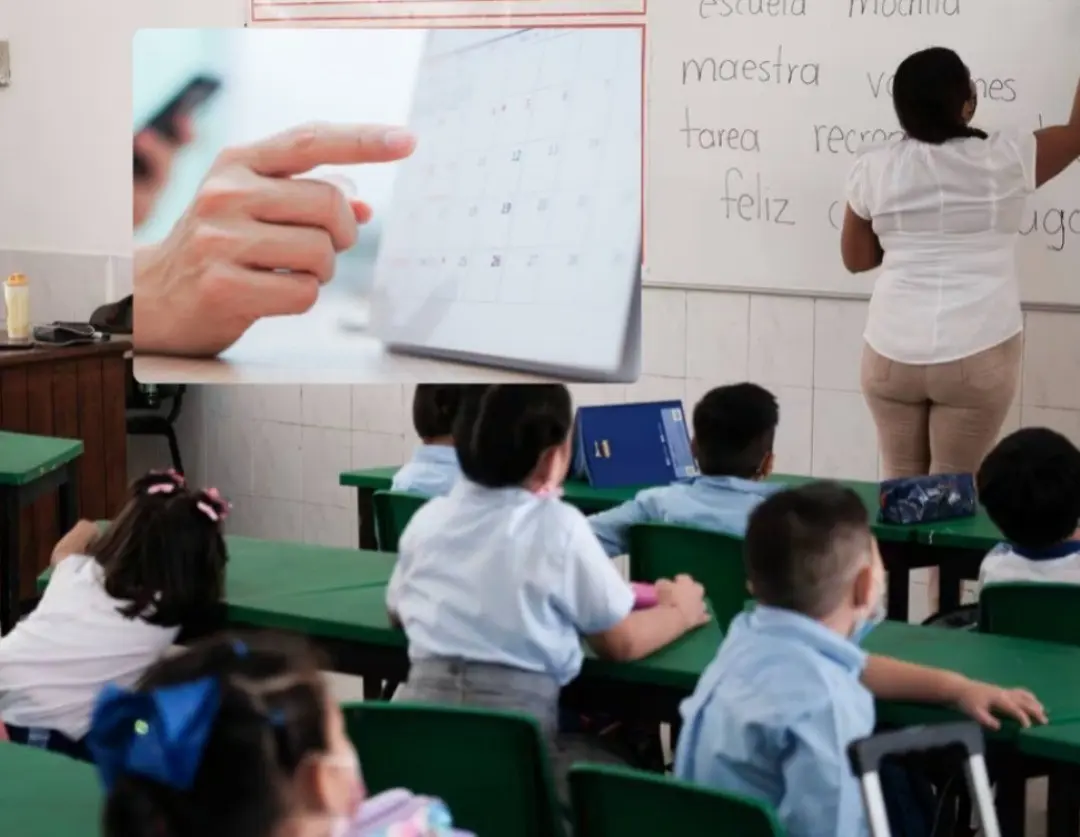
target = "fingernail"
x: 398, y: 139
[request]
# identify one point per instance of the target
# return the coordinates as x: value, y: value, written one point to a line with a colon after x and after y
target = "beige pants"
x: 941, y: 418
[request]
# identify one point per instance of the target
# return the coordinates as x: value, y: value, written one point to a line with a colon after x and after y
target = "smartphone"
x: 191, y: 96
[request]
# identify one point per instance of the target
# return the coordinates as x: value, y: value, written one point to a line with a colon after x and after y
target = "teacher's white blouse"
x: 948, y: 217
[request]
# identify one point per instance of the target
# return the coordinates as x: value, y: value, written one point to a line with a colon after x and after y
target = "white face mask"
x: 875, y: 611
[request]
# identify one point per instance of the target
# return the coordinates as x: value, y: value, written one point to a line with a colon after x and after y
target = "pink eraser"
x: 644, y: 595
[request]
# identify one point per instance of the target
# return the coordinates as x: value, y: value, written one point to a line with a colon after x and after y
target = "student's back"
x: 1030, y: 487
x: 734, y: 430
x: 115, y: 602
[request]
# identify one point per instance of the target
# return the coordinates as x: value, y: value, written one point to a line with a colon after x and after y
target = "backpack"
x: 400, y: 813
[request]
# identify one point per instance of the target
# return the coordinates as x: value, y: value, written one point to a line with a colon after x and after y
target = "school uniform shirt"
x: 54, y: 662
x: 1056, y: 565
x: 432, y: 471
x: 504, y: 576
x: 720, y: 504
x: 948, y: 218
x: 772, y: 717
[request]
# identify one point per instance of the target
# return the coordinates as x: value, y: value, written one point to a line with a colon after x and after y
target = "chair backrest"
x: 491, y: 768
x: 617, y: 801
x: 663, y: 550
x: 1031, y: 610
x: 393, y: 511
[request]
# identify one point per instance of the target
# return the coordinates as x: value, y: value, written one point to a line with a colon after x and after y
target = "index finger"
x: 300, y: 150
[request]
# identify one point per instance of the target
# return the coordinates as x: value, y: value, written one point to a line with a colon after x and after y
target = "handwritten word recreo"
x: 751, y: 8
x: 775, y: 71
x: 730, y: 139
x: 903, y: 8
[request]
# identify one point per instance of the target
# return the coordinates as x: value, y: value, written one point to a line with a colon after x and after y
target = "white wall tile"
x: 277, y: 454
x: 275, y: 402
x: 374, y: 450
x: 380, y: 408
x: 653, y: 388
x: 330, y: 526
x: 781, y: 341
x: 663, y: 330
x: 838, y: 343
x: 794, y: 436
x: 266, y: 517
x: 586, y: 395
x: 1051, y: 360
x: 717, y: 337
x: 229, y: 464
x: 1066, y: 422
x: 844, y: 437
x: 326, y: 405
x: 326, y: 453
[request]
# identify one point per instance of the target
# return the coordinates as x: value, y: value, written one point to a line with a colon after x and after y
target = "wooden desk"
x: 73, y: 393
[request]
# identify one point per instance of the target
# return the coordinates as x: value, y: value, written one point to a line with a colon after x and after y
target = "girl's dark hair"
x: 502, y: 431
x: 929, y: 93
x: 435, y: 406
x: 164, y: 554
x: 272, y: 715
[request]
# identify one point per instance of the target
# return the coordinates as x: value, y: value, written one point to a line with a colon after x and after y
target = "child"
x: 1030, y: 486
x: 233, y: 738
x: 115, y: 602
x: 433, y: 469
x: 496, y: 583
x: 734, y: 429
x: 790, y: 688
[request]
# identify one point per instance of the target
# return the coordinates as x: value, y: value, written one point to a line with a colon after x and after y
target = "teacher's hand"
x: 255, y: 242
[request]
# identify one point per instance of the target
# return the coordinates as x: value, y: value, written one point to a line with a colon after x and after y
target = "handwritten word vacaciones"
x: 991, y: 89
x: 761, y: 71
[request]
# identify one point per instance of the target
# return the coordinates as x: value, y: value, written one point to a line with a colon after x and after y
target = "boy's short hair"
x: 1029, y: 484
x: 435, y: 406
x: 804, y: 545
x: 734, y: 429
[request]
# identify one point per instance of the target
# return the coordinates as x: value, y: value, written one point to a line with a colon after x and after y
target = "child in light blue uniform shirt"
x: 734, y: 429
x: 772, y: 716
x: 497, y: 583
x: 433, y: 469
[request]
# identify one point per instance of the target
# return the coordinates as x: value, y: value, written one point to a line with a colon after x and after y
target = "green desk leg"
x: 365, y: 510
x: 13, y: 499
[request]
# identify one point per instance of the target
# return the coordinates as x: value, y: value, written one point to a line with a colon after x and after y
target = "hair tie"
x: 162, y: 488
x: 215, y: 507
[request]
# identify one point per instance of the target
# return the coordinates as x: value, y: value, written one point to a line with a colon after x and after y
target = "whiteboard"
x: 514, y: 230
x: 756, y: 107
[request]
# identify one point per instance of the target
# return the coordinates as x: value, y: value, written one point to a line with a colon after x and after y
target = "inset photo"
x: 335, y: 12
x: 373, y: 205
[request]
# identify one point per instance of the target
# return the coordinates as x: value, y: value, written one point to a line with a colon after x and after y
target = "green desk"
x: 43, y: 794
x: 30, y: 467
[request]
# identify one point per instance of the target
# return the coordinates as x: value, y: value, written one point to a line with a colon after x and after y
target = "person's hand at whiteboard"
x: 157, y: 153
x: 256, y: 241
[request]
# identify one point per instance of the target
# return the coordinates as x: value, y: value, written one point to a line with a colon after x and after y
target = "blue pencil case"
x: 928, y: 499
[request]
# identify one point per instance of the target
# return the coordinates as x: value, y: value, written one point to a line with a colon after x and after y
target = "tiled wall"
x: 278, y: 449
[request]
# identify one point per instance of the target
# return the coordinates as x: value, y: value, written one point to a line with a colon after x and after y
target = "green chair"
x: 662, y: 550
x: 393, y: 511
x: 30, y: 467
x: 1031, y: 610
x: 618, y: 801
x: 490, y: 767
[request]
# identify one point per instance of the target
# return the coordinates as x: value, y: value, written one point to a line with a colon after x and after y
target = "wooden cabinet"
x: 75, y: 393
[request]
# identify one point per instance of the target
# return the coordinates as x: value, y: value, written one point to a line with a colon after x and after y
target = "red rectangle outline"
x: 330, y: 21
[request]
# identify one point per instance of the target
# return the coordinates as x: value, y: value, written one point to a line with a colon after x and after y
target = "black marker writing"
x: 730, y: 139
x: 1058, y: 225
x: 991, y: 89
x: 903, y: 8
x: 761, y: 8
x: 834, y: 139
x: 776, y: 71
x: 751, y: 201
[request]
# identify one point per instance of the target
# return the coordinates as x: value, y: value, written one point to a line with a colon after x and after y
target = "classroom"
x: 773, y: 310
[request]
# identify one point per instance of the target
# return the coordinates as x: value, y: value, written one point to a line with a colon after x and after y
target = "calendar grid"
x: 525, y: 189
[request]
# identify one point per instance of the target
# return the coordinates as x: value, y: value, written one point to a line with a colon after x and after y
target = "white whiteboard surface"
x: 514, y: 232
x: 787, y: 89
x: 356, y: 12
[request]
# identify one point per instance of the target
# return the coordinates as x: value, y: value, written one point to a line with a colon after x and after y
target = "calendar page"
x: 514, y: 232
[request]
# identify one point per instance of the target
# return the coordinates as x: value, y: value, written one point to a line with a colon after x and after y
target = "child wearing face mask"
x: 238, y: 737
x: 497, y: 583
x: 790, y: 688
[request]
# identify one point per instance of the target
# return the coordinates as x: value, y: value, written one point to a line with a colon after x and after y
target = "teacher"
x: 940, y: 212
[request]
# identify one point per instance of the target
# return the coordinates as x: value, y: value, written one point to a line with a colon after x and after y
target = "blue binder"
x: 630, y: 445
